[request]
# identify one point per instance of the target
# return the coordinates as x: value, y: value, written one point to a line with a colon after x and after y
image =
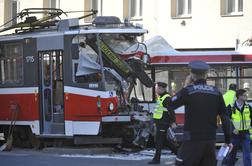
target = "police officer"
x: 229, y: 96
x: 202, y: 105
x: 241, y: 115
x: 163, y: 118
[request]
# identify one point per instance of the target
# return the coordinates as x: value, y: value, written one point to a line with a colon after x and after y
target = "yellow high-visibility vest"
x: 241, y: 121
x: 229, y: 97
x: 159, y: 109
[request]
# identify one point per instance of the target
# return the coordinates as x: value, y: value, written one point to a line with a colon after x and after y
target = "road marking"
x: 12, y: 154
x: 169, y: 163
x: 142, y: 155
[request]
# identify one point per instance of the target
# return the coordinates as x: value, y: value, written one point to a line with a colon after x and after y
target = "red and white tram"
x: 59, y: 79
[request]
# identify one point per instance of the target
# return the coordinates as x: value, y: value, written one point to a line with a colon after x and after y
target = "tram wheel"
x: 35, y: 142
x: 20, y: 137
x: 128, y: 137
x: 24, y: 138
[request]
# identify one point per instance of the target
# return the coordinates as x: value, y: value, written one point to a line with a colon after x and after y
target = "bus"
x: 171, y: 66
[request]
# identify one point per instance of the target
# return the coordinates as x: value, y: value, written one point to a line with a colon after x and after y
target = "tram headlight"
x: 111, y: 107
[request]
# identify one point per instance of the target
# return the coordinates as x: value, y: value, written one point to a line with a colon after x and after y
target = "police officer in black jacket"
x: 163, y: 119
x: 202, y: 105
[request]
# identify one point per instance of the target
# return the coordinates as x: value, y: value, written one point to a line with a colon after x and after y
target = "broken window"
x: 86, y: 66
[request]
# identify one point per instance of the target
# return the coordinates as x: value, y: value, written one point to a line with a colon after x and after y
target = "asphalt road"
x: 83, y: 157
x: 79, y: 157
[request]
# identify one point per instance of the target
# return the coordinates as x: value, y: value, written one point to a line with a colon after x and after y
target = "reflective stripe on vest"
x: 250, y: 132
x: 229, y: 97
x: 241, y: 121
x: 159, y: 108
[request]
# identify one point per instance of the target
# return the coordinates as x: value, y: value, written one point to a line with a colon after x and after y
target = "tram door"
x: 51, y: 92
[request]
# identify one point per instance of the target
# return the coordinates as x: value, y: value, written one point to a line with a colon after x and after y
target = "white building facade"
x: 185, y: 24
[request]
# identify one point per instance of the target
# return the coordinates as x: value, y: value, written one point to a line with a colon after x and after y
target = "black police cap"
x: 198, y: 66
x: 162, y: 84
x: 232, y: 86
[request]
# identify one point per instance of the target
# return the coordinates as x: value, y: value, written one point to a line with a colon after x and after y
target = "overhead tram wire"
x: 52, y: 12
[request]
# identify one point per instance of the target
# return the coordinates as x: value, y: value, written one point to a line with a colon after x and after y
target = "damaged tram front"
x: 72, y: 81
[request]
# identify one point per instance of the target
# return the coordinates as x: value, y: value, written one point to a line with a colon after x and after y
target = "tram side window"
x: 173, y: 76
x: 221, y: 77
x: 11, y: 64
x: 86, y: 68
x: 246, y: 83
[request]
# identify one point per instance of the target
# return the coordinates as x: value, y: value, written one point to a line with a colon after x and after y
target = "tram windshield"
x: 87, y: 65
x: 122, y: 43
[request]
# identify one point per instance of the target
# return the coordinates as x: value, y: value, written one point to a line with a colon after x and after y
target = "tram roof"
x: 45, y: 33
x: 211, y: 57
x: 162, y: 53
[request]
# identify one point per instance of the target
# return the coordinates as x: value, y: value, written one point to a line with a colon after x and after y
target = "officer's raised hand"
x: 188, y: 80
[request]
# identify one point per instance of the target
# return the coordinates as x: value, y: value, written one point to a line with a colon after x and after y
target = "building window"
x: 234, y: 6
x: 14, y: 11
x: 96, y: 5
x: 181, y: 8
x: 11, y: 64
x: 135, y: 8
x: 231, y: 7
x: 54, y: 4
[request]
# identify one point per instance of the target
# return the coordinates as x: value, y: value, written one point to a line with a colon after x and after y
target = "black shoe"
x: 154, y: 162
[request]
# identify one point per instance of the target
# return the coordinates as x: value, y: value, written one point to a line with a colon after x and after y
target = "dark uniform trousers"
x: 196, y: 153
x: 161, y: 131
